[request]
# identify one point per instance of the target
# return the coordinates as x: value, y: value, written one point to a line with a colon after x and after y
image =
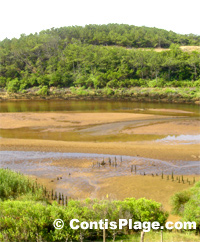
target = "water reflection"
x: 186, y: 139
x: 93, y: 106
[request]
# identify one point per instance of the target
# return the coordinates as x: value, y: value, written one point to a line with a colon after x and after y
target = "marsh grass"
x: 14, y: 185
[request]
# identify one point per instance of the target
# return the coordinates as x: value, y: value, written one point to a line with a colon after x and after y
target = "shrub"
x: 2, y: 81
x: 13, y: 185
x: 187, y: 204
x: 108, y: 91
x: 159, y: 82
x: 31, y: 221
x: 44, y: 91
x: 13, y: 85
x: 179, y: 200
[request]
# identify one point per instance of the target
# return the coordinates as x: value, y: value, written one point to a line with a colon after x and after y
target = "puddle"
x: 183, y: 139
x: 100, y: 133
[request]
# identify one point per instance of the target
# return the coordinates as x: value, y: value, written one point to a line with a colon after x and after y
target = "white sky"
x: 28, y: 16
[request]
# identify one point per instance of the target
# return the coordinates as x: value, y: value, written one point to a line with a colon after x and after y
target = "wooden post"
x: 81, y: 237
x: 33, y: 189
x: 109, y: 160
x: 63, y: 202
x: 104, y: 233
x: 131, y: 168
x: 142, y: 237
x: 45, y: 191
x: 59, y: 198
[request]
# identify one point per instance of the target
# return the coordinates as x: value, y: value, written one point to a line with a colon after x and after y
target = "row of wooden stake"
x: 51, y: 195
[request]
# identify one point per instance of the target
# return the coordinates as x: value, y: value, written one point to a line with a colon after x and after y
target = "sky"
x: 30, y: 16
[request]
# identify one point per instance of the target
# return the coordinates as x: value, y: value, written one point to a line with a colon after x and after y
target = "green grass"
x: 167, y: 237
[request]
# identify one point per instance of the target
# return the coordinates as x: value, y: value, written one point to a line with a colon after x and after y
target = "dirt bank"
x: 136, y: 94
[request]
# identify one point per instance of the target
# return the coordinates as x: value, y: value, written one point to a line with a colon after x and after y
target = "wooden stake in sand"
x: 142, y: 237
x: 161, y: 235
x: 104, y: 233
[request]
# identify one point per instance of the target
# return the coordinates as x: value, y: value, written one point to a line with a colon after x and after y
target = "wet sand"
x: 191, y: 127
x: 21, y: 120
x: 79, y: 177
x: 154, y: 188
x: 97, y: 125
x: 163, y: 151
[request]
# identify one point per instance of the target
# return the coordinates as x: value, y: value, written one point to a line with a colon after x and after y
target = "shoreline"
x: 155, y: 95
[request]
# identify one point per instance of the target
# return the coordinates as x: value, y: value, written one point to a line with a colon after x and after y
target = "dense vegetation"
x: 187, y: 204
x: 33, y: 221
x: 15, y: 185
x: 28, y: 219
x: 26, y: 215
x: 94, y: 57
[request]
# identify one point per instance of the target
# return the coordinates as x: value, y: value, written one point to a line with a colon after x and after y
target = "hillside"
x: 98, y: 56
x: 116, y: 34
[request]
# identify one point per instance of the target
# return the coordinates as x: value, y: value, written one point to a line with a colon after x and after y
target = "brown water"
x: 96, y: 106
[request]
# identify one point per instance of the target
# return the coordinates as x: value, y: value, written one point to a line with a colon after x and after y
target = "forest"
x: 99, y: 56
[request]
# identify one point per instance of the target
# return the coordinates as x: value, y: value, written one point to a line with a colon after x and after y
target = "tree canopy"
x: 96, y: 56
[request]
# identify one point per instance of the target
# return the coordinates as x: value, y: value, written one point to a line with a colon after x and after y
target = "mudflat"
x: 98, y: 125
x: 57, y: 119
x: 144, y: 149
x: 151, y: 142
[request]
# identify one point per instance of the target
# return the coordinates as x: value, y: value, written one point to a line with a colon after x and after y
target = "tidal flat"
x: 99, y: 150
